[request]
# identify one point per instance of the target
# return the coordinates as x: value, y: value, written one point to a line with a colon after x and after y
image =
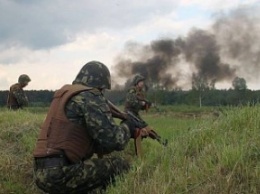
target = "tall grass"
x: 18, y: 132
x: 205, y: 153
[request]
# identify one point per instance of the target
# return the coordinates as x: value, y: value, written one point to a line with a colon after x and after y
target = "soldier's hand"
x: 143, y: 103
x: 144, y: 132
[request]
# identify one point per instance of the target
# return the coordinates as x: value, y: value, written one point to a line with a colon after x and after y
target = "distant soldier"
x: 16, y: 97
x: 135, y: 98
x: 134, y: 103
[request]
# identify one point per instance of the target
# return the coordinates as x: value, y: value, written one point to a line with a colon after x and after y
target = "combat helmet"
x: 23, y: 79
x: 137, y: 79
x: 94, y: 74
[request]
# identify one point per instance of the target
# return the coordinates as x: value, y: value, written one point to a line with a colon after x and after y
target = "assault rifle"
x: 140, y: 124
x: 151, y: 133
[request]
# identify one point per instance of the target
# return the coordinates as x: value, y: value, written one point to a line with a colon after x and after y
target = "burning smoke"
x: 216, y: 55
x: 201, y: 51
x: 238, y: 35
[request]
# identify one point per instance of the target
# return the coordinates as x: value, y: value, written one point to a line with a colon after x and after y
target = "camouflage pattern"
x: 90, y: 176
x: 135, y: 97
x: 137, y: 79
x: 94, y: 74
x: 133, y: 102
x: 89, y: 109
x: 17, y: 97
x: 24, y: 79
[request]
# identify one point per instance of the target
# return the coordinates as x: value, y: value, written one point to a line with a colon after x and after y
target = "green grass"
x: 206, y: 152
x: 18, y: 132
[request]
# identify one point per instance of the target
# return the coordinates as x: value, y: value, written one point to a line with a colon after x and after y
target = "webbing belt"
x: 50, y: 162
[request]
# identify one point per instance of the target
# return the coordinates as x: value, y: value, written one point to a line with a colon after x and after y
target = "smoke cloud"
x: 238, y: 34
x: 229, y: 49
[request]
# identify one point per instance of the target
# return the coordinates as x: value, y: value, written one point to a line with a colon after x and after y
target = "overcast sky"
x: 50, y: 40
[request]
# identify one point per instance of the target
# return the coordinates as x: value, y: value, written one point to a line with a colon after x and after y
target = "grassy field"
x: 209, y: 151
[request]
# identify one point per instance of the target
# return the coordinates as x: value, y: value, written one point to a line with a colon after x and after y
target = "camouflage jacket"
x: 134, y: 99
x: 17, y: 97
x: 90, y: 109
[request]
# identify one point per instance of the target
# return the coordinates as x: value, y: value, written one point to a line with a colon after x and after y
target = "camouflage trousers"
x: 79, y: 178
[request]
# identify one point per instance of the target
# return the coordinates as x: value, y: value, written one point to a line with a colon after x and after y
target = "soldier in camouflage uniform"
x: 16, y: 97
x: 135, y: 99
x: 71, y: 154
x: 134, y: 103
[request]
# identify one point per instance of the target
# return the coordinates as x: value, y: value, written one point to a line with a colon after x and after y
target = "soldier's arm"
x: 132, y: 99
x: 107, y: 135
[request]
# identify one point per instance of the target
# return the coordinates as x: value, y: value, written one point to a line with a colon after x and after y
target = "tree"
x: 201, y: 84
x: 239, y: 83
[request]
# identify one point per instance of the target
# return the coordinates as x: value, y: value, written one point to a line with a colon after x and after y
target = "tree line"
x: 195, y: 97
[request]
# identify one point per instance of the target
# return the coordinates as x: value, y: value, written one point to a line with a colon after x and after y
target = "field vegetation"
x: 210, y: 150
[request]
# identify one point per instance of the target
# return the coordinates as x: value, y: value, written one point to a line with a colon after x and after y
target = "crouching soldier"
x: 78, y: 127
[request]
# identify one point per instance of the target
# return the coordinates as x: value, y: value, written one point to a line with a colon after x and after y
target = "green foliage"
x: 239, y: 83
x: 18, y: 130
x: 160, y: 97
x: 206, y: 153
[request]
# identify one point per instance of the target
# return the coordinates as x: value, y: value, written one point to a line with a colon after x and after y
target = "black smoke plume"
x: 215, y: 55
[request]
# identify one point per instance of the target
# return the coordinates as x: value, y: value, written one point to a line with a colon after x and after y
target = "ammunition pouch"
x: 51, y: 162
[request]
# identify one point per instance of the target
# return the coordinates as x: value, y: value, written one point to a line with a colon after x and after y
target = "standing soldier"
x: 77, y: 132
x: 135, y: 102
x: 135, y: 98
x: 16, y: 97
